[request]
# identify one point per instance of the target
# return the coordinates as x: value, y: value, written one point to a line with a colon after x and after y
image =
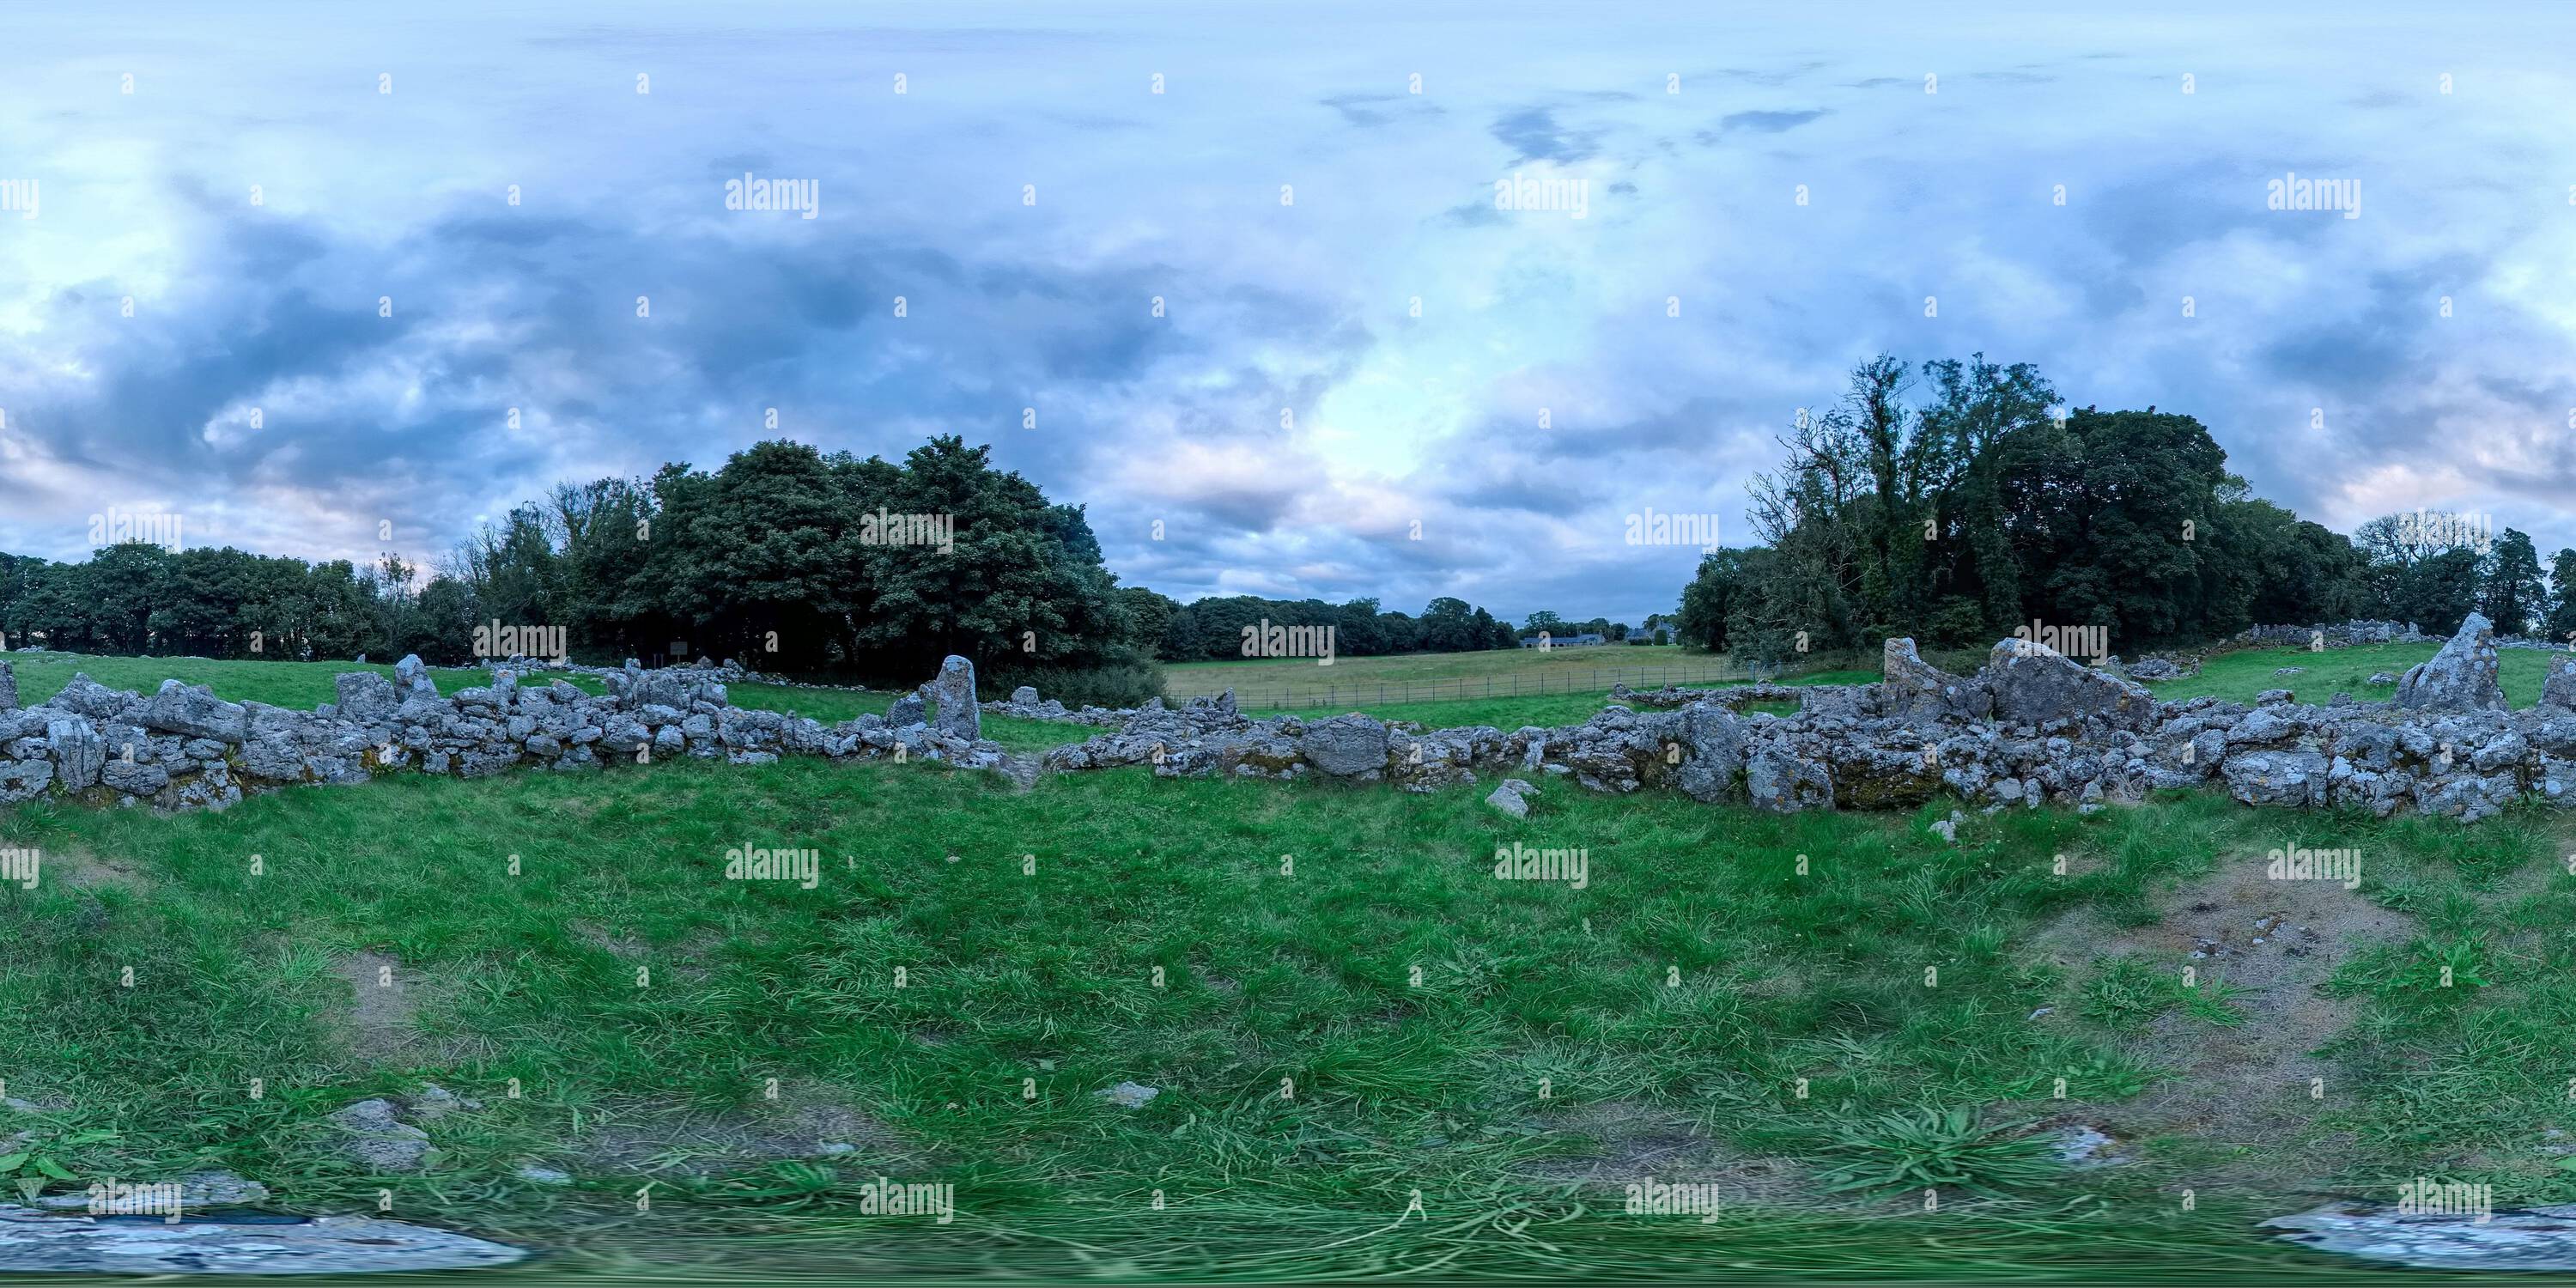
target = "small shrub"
x: 1936, y: 1147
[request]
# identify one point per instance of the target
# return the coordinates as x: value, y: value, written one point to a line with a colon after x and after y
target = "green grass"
x: 1331, y: 1034
x: 2240, y: 675
x: 301, y: 685
x: 1427, y: 668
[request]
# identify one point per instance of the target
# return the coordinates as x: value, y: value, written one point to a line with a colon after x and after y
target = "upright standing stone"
x: 905, y: 711
x: 952, y: 692
x: 2462, y: 677
x: 2559, y: 690
x: 79, y: 753
x: 8, y: 688
x: 413, y: 679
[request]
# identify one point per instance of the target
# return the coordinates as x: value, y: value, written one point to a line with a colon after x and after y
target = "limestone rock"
x: 79, y: 753
x: 8, y: 687
x: 1511, y: 796
x: 1129, y: 1095
x: 2462, y: 677
x: 1346, y: 746
x: 2557, y: 690
x: 2033, y: 684
x: 907, y: 710
x: 196, y: 712
x: 366, y: 696
x: 380, y: 1140
x: 2541, y: 1238
x: 952, y: 694
x: 31, y: 1242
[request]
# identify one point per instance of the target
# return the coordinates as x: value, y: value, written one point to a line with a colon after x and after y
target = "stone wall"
x: 183, y: 747
x: 2030, y: 727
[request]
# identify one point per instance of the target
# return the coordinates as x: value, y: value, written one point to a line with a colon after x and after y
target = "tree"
x: 2562, y: 608
x: 2512, y: 593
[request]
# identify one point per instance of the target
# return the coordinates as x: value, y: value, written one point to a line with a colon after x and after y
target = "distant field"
x: 1435, y: 677
x: 2239, y: 676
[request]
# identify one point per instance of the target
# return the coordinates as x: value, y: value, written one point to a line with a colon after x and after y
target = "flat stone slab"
x: 2542, y: 1238
x: 145, y: 1245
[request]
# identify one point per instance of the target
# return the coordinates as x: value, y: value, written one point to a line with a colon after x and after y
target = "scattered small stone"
x: 1129, y: 1095
x: 2289, y: 670
x: 379, y: 1139
x: 834, y: 1148
x: 2381, y: 677
x: 2045, y: 1010
x: 2082, y: 1146
x: 544, y: 1175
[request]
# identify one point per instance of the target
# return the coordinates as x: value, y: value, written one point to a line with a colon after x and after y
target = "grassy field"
x: 2240, y: 675
x: 1342, y: 1007
x: 1434, y: 676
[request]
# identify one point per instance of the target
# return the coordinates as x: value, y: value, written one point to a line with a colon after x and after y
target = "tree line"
x: 786, y: 558
x: 1951, y: 503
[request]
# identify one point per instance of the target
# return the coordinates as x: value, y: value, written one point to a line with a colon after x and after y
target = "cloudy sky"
x: 193, y: 318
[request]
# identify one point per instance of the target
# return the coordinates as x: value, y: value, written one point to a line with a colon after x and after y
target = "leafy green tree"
x: 2562, y: 606
x: 2512, y: 593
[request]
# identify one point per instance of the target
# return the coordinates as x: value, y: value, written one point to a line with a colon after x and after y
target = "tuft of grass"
x: 1939, y: 1149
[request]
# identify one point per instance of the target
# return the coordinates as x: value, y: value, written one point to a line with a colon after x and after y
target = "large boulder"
x: 2034, y: 684
x: 1345, y: 746
x: 366, y: 696
x: 2462, y: 677
x: 196, y: 712
x: 952, y: 692
x: 907, y: 710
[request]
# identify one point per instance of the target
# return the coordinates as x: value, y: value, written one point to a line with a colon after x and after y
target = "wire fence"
x: 1528, y: 682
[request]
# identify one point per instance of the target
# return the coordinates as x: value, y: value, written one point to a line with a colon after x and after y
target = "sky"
x: 330, y: 281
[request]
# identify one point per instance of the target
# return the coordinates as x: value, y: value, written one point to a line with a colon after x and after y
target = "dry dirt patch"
x: 2276, y: 943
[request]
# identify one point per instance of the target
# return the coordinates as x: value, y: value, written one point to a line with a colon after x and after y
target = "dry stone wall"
x: 2031, y: 727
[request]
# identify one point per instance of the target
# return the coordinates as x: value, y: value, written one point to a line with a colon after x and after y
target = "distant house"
x: 1566, y: 641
